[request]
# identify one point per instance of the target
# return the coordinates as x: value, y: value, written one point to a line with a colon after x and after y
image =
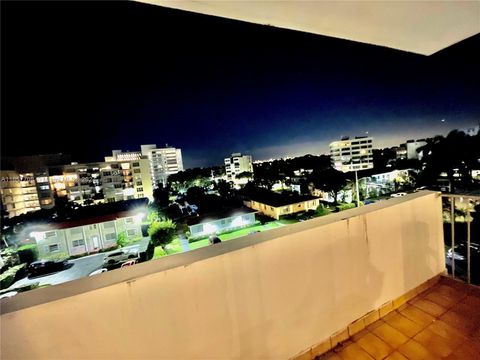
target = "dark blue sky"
x: 91, y: 77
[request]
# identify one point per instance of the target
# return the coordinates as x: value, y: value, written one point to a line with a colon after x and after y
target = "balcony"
x: 294, y: 292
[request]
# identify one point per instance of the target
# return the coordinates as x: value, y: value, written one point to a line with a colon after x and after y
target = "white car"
x: 398, y: 194
x: 120, y: 256
x: 99, y: 271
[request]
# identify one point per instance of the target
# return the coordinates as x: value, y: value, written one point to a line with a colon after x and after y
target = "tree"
x: 162, y: 233
x: 244, y: 175
x: 161, y: 196
x: 122, y: 239
x: 224, y: 188
x: 330, y: 180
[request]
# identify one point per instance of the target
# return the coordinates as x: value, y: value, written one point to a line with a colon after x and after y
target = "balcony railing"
x: 461, y: 215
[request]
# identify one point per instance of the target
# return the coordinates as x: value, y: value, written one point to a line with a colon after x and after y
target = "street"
x: 76, y: 268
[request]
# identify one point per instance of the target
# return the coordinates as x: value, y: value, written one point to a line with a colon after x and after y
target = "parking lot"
x: 76, y: 268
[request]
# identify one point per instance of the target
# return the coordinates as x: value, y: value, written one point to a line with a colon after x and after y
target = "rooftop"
x: 443, y: 322
x: 278, y: 199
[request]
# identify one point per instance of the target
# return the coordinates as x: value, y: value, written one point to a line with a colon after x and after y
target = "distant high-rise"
x: 163, y: 161
x: 237, y: 164
x: 352, y: 154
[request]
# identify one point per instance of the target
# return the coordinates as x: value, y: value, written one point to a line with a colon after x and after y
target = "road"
x: 76, y: 268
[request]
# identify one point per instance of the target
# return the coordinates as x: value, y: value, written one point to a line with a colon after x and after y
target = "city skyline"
x: 212, y: 86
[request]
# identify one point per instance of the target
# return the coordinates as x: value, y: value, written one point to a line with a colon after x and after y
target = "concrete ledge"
x: 368, y: 319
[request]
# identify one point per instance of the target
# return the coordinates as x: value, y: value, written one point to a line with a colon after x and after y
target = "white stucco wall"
x: 270, y: 296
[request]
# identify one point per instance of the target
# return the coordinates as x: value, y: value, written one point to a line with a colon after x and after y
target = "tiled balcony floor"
x: 441, y: 323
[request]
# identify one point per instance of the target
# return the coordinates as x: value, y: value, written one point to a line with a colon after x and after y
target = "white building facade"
x: 237, y: 164
x: 352, y: 154
x: 162, y: 161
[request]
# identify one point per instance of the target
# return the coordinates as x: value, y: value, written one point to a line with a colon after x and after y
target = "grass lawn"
x: 237, y: 233
x: 175, y: 247
x: 172, y: 248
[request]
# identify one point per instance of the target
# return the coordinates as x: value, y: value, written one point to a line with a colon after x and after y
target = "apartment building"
x: 104, y: 182
x: 352, y: 154
x: 18, y: 193
x: 162, y: 161
x: 237, y: 164
x: 86, y: 235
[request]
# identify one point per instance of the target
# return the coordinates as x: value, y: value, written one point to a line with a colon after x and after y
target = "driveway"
x: 76, y: 268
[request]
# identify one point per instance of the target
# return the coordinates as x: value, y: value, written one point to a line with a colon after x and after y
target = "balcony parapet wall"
x: 269, y: 295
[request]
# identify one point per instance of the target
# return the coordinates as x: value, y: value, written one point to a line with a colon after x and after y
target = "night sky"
x: 85, y: 78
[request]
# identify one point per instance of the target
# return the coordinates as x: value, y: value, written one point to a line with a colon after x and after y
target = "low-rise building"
x: 221, y: 222
x: 86, y: 234
x: 275, y: 205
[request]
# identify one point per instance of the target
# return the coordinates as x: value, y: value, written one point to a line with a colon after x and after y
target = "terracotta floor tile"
x: 434, y: 343
x: 375, y: 346
x: 464, y: 324
x: 353, y: 352
x: 450, y: 334
x: 429, y: 307
x: 403, y: 324
x: 396, y: 356
x: 390, y: 335
x: 415, y: 351
x: 419, y: 316
x: 359, y: 335
x: 331, y: 355
x: 374, y: 325
x: 443, y: 300
x: 467, y: 351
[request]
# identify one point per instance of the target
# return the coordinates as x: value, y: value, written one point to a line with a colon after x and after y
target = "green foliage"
x: 28, y: 253
x: 321, y: 210
x: 122, y: 239
x: 342, y: 207
x: 9, y: 257
x: 162, y: 232
x: 8, y: 277
x: 161, y: 196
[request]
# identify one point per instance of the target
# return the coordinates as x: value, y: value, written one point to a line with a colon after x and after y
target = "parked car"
x: 40, y: 267
x: 118, y: 257
x: 99, y: 271
x: 398, y: 194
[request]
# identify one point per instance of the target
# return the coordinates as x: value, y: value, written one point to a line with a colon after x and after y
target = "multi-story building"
x: 19, y: 193
x: 162, y: 161
x: 237, y: 164
x: 352, y: 154
x: 414, y: 149
x: 40, y: 168
x: 105, y: 181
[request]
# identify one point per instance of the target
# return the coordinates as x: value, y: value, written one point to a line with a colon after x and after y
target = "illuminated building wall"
x: 237, y: 164
x: 19, y: 193
x: 352, y: 154
x: 163, y: 162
